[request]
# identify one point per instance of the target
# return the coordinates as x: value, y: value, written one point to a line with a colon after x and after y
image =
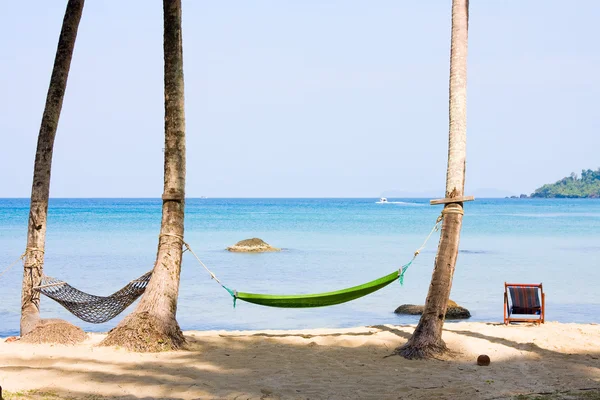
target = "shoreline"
x: 315, y: 363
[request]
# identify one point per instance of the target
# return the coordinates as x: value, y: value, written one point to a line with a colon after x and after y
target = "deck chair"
x: 524, y: 299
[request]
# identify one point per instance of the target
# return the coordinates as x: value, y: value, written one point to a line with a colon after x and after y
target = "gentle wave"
x: 405, y: 203
x: 553, y: 215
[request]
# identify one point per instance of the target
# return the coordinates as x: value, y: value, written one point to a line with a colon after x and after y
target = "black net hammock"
x: 90, y: 308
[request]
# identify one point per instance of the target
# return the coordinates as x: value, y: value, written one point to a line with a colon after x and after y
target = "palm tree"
x: 152, y: 326
x: 427, y: 341
x: 40, y: 190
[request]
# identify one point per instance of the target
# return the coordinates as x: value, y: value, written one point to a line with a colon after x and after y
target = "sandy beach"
x: 315, y: 364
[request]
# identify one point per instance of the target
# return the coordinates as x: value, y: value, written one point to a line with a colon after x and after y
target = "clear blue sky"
x: 328, y: 98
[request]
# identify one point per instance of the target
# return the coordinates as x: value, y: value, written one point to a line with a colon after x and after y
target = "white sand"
x: 316, y: 364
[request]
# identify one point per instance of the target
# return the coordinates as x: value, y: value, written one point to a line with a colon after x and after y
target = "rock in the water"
x: 409, y: 309
x: 454, y: 311
x: 452, y: 303
x: 457, y: 313
x: 253, y: 245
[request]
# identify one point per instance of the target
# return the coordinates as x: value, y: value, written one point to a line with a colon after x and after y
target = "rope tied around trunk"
x: 172, y: 235
x: 453, y: 210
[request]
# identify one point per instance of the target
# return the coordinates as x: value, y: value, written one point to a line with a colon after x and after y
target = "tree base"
x: 54, y: 331
x: 423, y: 351
x: 144, y: 333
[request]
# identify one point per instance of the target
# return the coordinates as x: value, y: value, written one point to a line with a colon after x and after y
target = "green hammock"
x: 318, y: 299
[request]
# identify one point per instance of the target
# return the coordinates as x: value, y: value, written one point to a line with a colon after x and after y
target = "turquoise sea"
x: 98, y: 245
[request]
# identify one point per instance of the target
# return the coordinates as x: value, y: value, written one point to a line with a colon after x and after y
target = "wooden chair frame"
x: 507, y: 316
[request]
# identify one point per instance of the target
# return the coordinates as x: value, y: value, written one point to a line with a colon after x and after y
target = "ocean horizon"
x: 100, y: 244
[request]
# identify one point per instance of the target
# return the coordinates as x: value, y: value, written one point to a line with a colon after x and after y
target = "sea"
x: 99, y: 245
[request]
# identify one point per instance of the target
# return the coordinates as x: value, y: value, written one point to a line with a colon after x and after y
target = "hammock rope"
x: 22, y: 257
x: 5, y: 270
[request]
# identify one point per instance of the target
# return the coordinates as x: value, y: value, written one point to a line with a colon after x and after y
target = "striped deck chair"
x: 524, y: 299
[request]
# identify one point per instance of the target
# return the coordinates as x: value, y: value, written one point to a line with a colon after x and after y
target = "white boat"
x: 382, y: 200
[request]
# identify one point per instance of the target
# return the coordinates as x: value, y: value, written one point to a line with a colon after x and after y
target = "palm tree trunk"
x: 40, y: 191
x: 427, y: 341
x: 152, y: 326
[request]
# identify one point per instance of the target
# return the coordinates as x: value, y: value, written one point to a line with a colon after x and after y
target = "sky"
x: 327, y: 98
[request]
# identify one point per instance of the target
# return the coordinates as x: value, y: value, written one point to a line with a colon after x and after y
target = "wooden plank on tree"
x: 452, y: 200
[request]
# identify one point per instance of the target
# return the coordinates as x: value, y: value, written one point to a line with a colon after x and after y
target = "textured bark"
x: 426, y: 340
x: 152, y: 326
x: 40, y: 191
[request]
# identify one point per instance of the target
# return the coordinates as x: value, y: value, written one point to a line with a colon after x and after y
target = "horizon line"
x: 250, y: 197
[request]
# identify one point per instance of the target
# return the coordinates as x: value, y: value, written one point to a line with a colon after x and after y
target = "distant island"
x: 586, y: 186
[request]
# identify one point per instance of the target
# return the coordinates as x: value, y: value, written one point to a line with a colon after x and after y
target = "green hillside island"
x: 586, y: 186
